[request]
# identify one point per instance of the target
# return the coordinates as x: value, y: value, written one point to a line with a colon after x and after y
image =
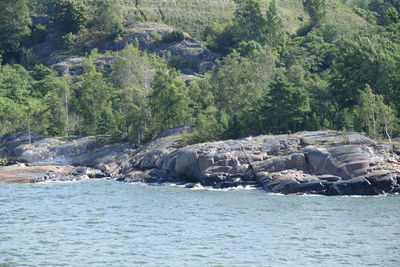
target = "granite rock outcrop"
x: 323, y: 162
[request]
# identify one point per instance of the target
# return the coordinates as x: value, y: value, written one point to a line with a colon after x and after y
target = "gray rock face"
x: 330, y: 163
x: 78, y: 151
x: 334, y: 138
x: 73, y: 65
x: 307, y: 162
x: 196, y: 58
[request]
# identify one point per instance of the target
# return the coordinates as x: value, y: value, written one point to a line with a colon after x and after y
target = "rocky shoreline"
x: 324, y: 162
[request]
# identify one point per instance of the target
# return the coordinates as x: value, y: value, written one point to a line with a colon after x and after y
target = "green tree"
x: 14, y: 26
x: 109, y: 18
x: 223, y: 41
x: 248, y: 48
x: 169, y: 103
x: 388, y: 15
x: 238, y: 85
x: 373, y: 116
x: 133, y: 68
x: 132, y: 72
x: 211, y: 33
x: 388, y: 11
x: 91, y: 102
x: 285, y: 106
x: 55, y: 92
x: 12, y: 116
x: 70, y: 15
x: 55, y: 96
x: 323, y: 109
x: 15, y: 83
x: 36, y: 117
x: 249, y: 22
x: 274, y: 27
x: 200, y: 95
x: 370, y: 60
x: 316, y: 9
x: 46, y: 80
x: 132, y: 114
x: 211, y: 124
x: 39, y: 72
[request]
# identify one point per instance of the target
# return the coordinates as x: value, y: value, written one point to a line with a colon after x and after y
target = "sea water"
x: 107, y: 223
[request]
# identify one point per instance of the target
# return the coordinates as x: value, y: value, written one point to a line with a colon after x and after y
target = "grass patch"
x: 193, y: 16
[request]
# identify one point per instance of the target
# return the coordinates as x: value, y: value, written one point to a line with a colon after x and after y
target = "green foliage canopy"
x: 14, y: 26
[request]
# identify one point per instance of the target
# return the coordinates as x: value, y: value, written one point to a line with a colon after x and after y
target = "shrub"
x: 156, y: 36
x: 179, y: 62
x: 174, y: 36
x: 69, y: 40
x: 39, y: 33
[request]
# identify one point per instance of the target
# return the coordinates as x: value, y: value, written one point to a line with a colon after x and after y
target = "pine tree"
x: 285, y: 106
x: 274, y: 26
x: 316, y: 9
x: 249, y: 22
x: 168, y: 102
x: 14, y: 26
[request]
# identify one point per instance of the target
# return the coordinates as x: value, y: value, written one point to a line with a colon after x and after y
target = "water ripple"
x: 103, y: 223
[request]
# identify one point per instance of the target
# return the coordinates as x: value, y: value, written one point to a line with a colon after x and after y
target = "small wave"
x: 49, y: 181
x: 196, y: 186
x: 209, y: 188
x: 320, y: 195
x: 363, y: 196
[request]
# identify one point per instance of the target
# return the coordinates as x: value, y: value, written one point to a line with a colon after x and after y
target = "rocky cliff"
x: 195, y: 57
x: 325, y: 162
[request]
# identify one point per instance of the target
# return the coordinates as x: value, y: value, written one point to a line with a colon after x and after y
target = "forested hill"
x: 120, y: 67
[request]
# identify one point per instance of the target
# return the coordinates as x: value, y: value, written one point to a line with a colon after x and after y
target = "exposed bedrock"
x: 194, y: 57
x: 324, y: 162
x: 74, y: 158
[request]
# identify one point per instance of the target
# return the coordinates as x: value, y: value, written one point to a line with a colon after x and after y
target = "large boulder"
x: 355, y: 186
x: 384, y: 180
x: 345, y: 161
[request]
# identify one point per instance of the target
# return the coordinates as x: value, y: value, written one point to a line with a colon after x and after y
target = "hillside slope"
x: 194, y: 15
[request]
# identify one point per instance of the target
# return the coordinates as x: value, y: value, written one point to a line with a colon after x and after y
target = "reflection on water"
x: 105, y: 223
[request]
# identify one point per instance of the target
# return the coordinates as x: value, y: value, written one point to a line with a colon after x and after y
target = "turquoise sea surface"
x: 107, y: 223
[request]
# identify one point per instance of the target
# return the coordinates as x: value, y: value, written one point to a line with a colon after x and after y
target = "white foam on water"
x: 197, y: 186
x: 50, y: 181
x: 209, y: 188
